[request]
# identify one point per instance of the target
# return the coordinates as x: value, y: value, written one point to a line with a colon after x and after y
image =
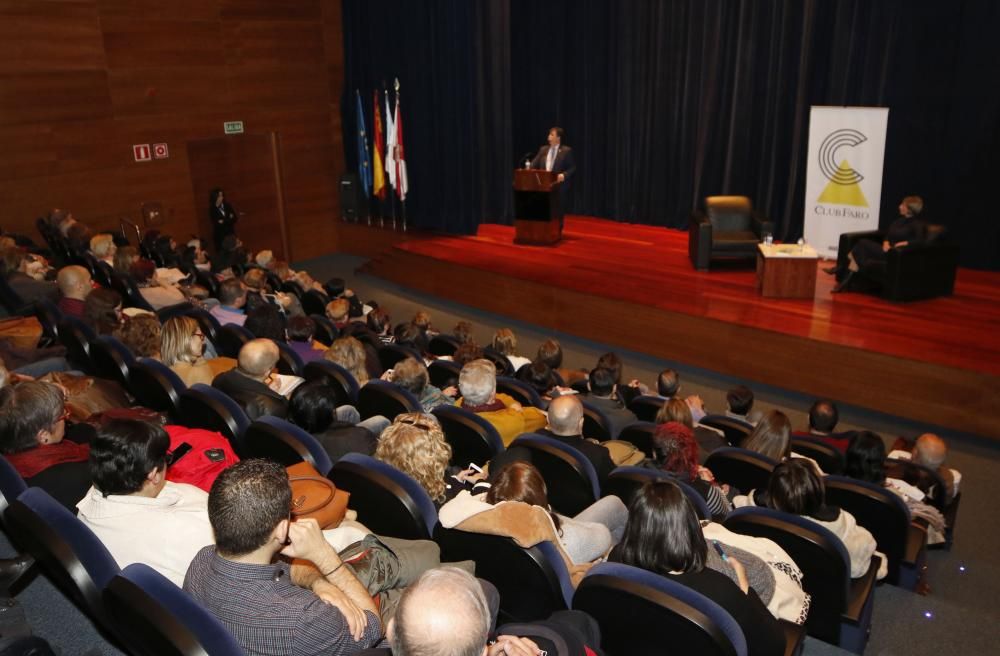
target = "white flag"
x: 390, y: 143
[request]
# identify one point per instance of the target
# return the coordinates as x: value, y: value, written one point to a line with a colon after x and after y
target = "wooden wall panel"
x: 81, y: 81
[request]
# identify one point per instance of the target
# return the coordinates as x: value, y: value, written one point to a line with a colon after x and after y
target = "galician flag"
x: 402, y: 182
x: 390, y: 144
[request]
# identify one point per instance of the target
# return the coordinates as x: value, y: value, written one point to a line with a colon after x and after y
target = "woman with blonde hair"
x: 141, y: 335
x: 349, y: 354
x: 182, y: 348
x: 708, y: 439
x: 124, y: 258
x: 505, y: 342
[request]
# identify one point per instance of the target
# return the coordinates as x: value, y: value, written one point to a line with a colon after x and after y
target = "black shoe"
x: 831, y: 270
x: 842, y: 285
x: 11, y: 569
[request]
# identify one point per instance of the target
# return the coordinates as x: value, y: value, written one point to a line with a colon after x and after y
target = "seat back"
x: 230, y: 338
x: 734, y: 430
x: 387, y: 501
x: 152, y: 616
x: 533, y: 582
x: 923, y: 477
x: 326, y: 332
x: 624, y: 482
x: 443, y: 373
x: 640, y: 434
x: 334, y: 376
x: 314, y: 302
x: 276, y: 439
x: 49, y: 316
x: 11, y: 485
x: 443, y: 345
x: 520, y: 391
x: 73, y: 556
x: 502, y: 363
x: 155, y: 386
x: 131, y: 296
x: 207, y: 280
x: 472, y: 438
x: 743, y: 469
x: 289, y: 362
x: 209, y: 325
x: 171, y: 311
x: 380, y: 397
x: 205, y: 407
x: 76, y: 336
x: 390, y: 354
x: 11, y: 300
x: 569, y: 475
x: 729, y: 213
x: 880, y: 511
x: 646, y: 407
x: 595, y: 424
x: 111, y: 359
x: 821, y: 556
x: 637, y: 609
x: 829, y: 459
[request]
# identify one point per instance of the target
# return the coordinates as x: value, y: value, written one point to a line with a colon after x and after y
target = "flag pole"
x: 399, y: 183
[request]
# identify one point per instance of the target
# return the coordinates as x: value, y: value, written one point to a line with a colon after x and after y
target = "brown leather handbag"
x: 315, y: 496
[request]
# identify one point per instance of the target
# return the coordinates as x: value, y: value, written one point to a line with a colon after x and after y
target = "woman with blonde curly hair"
x: 182, y: 348
x: 415, y: 445
x: 141, y: 334
x: 349, y: 354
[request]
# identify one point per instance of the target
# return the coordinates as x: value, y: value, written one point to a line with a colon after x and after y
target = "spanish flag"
x: 379, y: 146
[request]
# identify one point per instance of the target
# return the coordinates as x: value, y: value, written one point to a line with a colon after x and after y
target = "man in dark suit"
x: 823, y: 418
x: 557, y: 158
x: 249, y: 383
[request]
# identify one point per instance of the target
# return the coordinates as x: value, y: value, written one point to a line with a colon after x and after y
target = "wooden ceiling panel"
x: 46, y: 36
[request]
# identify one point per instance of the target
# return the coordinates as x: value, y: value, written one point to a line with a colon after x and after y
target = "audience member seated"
x: 182, y: 348
x: 141, y: 334
x: 103, y: 248
x: 505, y: 342
x: 931, y: 451
x: 32, y: 431
x: 313, y: 408
x: 462, y: 332
x: 300, y: 331
x: 152, y: 291
x: 550, y: 352
x: 194, y: 256
x: 349, y: 354
x: 138, y: 514
x: 253, y: 383
x: 478, y: 384
x: 865, y: 461
x: 676, y: 451
x: 258, y: 294
x: 77, y: 237
x: 166, y: 247
x: 17, y: 267
x: 614, y: 364
x: 796, y: 487
x: 413, y: 377
x: 264, y: 603
x: 124, y: 258
x: 231, y: 254
x: 412, y: 336
x: 823, y: 418
x: 668, y: 386
x: 708, y: 439
x: 445, y: 612
x: 102, y: 311
x: 415, y: 445
x: 232, y: 300
x: 771, y: 436
x: 604, y: 396
x: 664, y: 536
x: 337, y: 311
x: 380, y: 323
x: 74, y: 284
x: 740, y: 402
x: 565, y: 424
x: 540, y: 377
x: 266, y: 321
x: 466, y: 353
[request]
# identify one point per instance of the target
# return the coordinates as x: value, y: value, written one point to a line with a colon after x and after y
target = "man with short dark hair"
x: 251, y: 591
x: 300, y: 331
x: 602, y: 386
x: 823, y: 418
x: 740, y: 400
x: 232, y: 299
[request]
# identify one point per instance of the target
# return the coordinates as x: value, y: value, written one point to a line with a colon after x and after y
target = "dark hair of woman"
x: 312, y: 407
x: 663, y: 534
x: 539, y: 375
x: 865, y: 458
x: 612, y: 362
x: 379, y: 321
x: 771, y: 437
x: 521, y: 481
x: 796, y: 488
x: 266, y: 321
x: 100, y: 310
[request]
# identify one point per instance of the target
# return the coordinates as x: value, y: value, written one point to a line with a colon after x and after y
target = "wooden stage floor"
x: 633, y: 286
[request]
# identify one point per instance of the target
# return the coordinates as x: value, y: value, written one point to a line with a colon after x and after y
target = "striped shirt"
x: 267, y: 613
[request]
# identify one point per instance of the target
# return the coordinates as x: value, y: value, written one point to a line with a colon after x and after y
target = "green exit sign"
x: 233, y: 127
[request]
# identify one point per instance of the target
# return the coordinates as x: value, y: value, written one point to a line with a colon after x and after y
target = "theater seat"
x: 639, y: 434
x: 472, y: 438
x: 646, y: 407
x: 520, y: 391
x: 624, y: 482
x: 829, y: 459
x: 276, y: 439
x: 205, y: 407
x: 735, y: 431
x: 155, y: 386
x: 728, y: 229
x: 569, y: 476
x: 340, y: 380
x: 379, y: 397
x: 743, y: 469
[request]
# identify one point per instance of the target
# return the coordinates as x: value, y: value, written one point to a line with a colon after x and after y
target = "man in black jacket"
x: 249, y: 384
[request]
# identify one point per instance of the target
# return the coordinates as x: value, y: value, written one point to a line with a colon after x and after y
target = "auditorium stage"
x: 633, y: 286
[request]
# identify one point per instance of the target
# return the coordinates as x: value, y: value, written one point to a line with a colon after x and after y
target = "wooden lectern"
x: 537, y: 207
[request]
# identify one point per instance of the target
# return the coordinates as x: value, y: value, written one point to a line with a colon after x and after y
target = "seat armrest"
x: 858, y: 591
x: 761, y: 225
x: 700, y: 240
x: 698, y: 216
x: 916, y: 541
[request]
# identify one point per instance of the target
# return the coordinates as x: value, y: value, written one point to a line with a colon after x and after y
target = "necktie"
x: 552, y: 158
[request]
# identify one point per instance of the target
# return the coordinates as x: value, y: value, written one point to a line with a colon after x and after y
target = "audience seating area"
x: 143, y: 612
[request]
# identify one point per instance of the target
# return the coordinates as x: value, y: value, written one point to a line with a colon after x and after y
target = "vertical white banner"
x: 844, y: 173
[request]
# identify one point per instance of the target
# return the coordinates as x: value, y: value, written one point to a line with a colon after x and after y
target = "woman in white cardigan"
x: 795, y: 487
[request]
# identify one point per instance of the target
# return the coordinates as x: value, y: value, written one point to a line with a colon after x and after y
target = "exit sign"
x: 233, y: 127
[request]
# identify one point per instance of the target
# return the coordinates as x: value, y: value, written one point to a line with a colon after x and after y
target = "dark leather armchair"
x: 912, y: 273
x: 727, y: 229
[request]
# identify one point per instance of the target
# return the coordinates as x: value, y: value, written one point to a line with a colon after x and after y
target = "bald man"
x: 74, y: 284
x: 931, y: 451
x: 251, y: 383
x: 446, y: 612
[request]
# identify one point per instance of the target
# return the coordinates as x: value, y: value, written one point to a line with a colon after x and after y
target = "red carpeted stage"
x: 633, y: 286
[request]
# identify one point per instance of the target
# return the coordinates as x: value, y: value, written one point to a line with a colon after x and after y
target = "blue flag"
x: 364, y: 159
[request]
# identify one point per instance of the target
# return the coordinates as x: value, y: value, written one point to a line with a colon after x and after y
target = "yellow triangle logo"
x: 839, y: 193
